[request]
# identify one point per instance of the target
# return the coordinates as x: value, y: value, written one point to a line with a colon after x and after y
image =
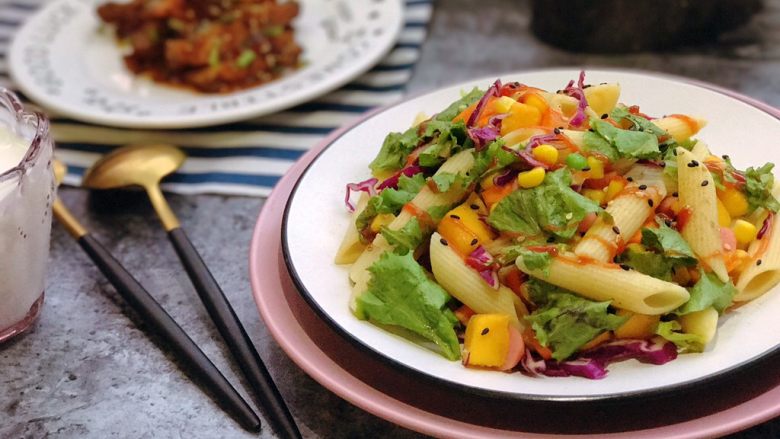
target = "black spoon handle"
x: 163, y: 324
x: 235, y: 335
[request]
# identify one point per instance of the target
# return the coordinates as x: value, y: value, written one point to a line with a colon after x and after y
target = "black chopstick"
x: 211, y: 379
x: 235, y: 335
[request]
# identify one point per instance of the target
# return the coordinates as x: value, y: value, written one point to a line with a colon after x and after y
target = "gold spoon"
x: 145, y: 166
x: 154, y: 314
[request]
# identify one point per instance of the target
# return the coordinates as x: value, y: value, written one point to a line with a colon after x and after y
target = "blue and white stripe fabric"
x: 245, y: 158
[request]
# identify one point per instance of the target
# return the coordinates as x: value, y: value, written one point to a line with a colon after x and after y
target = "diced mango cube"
x: 734, y: 201
x: 536, y: 101
x: 470, y: 219
x: 614, y: 188
x: 487, y: 340
x: 637, y: 325
x: 596, y: 168
x: 504, y: 104
x: 724, y: 218
x: 744, y: 231
x: 458, y: 236
x: 520, y: 116
x: 596, y: 195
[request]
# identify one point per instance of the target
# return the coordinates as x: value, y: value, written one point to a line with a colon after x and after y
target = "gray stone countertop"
x: 87, y: 370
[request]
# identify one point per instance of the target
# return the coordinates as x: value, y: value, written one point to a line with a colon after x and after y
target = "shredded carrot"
x: 529, y: 337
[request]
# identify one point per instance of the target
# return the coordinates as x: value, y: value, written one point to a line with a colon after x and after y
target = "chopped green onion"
x: 214, y: 54
x: 273, y: 31
x: 246, y: 58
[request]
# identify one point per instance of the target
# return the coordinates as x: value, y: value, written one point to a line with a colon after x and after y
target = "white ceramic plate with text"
x: 65, y: 61
x: 316, y: 218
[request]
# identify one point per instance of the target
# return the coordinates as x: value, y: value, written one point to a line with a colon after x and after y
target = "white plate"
x: 63, y: 60
x: 316, y: 218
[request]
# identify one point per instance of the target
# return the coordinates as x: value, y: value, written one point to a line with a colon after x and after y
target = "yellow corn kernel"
x: 596, y: 168
x: 531, y: 178
x: 614, y: 188
x: 503, y: 104
x: 744, y: 231
x: 596, y: 195
x: 536, y: 101
x: 735, y: 201
x: 487, y: 340
x: 520, y: 116
x: 546, y: 154
x: 381, y: 220
x: 724, y: 218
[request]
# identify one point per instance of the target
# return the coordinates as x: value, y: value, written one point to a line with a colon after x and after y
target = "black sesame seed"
x: 705, y: 183
x: 443, y: 241
x: 693, y: 164
x: 474, y: 207
x: 625, y: 267
x: 587, y: 168
x: 474, y: 241
x: 630, y: 179
x: 604, y: 116
x: 675, y: 194
x: 455, y: 217
x: 557, y: 131
x: 591, y: 130
x: 551, y: 239
x: 725, y: 156
x: 650, y: 203
x: 616, y: 230
x: 560, y: 128
x: 642, y: 187
x: 758, y: 262
x: 485, y: 331
x: 582, y: 233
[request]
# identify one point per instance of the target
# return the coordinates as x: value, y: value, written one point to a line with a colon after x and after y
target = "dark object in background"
x: 613, y: 26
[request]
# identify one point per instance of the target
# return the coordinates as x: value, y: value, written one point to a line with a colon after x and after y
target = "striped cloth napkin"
x: 245, y: 158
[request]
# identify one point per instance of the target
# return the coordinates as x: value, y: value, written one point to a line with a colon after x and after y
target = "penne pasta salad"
x: 556, y: 232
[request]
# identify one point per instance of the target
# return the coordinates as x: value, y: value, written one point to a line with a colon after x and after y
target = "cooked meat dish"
x: 213, y: 46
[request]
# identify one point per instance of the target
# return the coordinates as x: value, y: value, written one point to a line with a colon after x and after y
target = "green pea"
x: 576, y: 161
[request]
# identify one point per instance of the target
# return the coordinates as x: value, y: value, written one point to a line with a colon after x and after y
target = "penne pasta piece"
x: 602, y: 98
x: 703, y: 323
x: 680, y: 126
x: 763, y: 271
x: 351, y: 246
x: 629, y: 210
x: 701, y: 229
x: 700, y: 151
x: 576, y: 137
x: 460, y: 163
x: 629, y: 290
x: 465, y: 284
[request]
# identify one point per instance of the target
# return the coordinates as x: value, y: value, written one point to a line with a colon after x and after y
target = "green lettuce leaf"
x: 640, y: 123
x: 564, y: 321
x: 708, y: 292
x: 647, y: 262
x: 685, y: 342
x: 405, y: 239
x: 400, y: 293
x: 491, y: 159
x: 449, y: 139
x: 552, y: 207
x: 627, y: 143
x: 390, y: 200
x: 669, y: 243
x: 758, y: 187
x: 397, y: 146
x: 437, y: 212
x: 445, y: 180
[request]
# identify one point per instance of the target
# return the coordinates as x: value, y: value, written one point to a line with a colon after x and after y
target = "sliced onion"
x: 366, y: 186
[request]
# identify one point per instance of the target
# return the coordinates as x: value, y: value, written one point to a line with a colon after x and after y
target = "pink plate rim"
x: 266, y: 284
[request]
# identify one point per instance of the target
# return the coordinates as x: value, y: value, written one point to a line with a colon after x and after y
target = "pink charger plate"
x: 426, y: 407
